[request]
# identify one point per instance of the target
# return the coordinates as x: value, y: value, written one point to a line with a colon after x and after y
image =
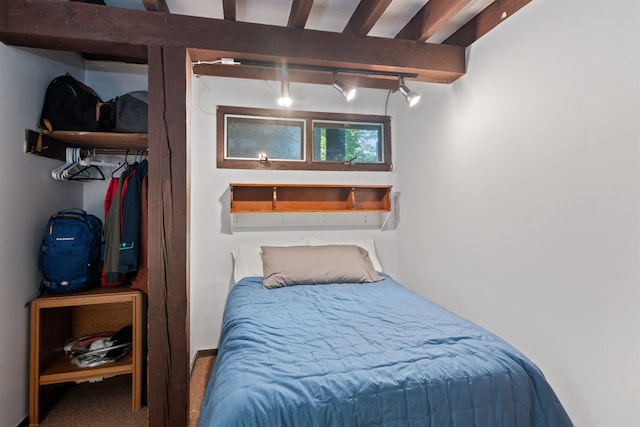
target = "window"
x: 245, y: 136
x: 284, y: 139
x: 347, y: 142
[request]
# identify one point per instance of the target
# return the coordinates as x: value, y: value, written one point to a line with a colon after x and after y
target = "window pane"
x: 255, y: 137
x: 347, y: 141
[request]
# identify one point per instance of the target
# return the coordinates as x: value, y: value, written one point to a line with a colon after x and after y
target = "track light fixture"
x: 412, y: 97
x: 348, y: 92
x: 285, y: 95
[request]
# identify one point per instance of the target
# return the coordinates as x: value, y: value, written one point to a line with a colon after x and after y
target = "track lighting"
x: 412, y: 97
x: 348, y: 92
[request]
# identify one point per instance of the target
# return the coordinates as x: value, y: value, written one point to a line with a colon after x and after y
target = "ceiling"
x: 371, y: 43
x: 441, y: 22
x: 325, y: 15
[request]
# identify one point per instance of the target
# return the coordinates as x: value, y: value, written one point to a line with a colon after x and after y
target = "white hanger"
x: 77, y: 169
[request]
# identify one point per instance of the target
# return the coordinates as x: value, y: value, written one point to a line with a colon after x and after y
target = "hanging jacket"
x: 112, y: 190
x: 110, y: 195
x: 111, y: 232
x: 131, y: 220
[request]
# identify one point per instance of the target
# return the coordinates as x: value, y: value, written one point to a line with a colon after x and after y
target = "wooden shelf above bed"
x: 255, y: 198
x: 272, y: 206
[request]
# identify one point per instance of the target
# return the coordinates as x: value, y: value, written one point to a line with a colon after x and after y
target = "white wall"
x: 521, y: 207
x: 211, y: 241
x: 29, y: 196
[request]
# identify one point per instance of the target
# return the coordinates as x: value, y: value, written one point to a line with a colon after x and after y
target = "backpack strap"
x: 73, y: 210
x: 47, y: 128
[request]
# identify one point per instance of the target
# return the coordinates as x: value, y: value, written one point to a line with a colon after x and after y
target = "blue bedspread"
x: 372, y: 354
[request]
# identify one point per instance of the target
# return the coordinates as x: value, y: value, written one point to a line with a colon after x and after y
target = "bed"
x: 370, y: 353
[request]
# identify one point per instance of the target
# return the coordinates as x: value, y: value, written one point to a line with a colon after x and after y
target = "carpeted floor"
x: 200, y: 374
x: 108, y: 402
x: 104, y: 403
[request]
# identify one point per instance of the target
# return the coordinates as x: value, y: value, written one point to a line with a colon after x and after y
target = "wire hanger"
x: 86, y: 174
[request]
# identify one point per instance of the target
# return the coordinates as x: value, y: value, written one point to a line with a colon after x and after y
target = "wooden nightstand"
x: 56, y: 318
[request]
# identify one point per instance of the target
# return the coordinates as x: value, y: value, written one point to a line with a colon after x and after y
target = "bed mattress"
x: 373, y: 354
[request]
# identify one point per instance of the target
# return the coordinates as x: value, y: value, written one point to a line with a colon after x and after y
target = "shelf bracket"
x: 51, y: 147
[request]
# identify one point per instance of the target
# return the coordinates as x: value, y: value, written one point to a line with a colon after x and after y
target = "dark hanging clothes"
x: 125, y: 185
x: 131, y: 219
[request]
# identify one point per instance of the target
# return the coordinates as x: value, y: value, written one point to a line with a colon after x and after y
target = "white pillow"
x: 367, y: 244
x: 247, y: 259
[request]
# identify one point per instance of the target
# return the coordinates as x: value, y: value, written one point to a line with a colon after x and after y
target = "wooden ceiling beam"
x: 295, y: 76
x: 432, y: 17
x: 86, y: 28
x: 367, y: 13
x: 156, y: 5
x: 229, y: 10
x: 120, y: 56
x: 122, y: 52
x: 300, y: 10
x: 485, y: 21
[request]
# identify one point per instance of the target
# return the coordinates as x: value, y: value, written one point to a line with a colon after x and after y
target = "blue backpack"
x: 70, y: 251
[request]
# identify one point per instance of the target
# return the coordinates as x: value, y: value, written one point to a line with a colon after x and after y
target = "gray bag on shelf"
x: 131, y: 112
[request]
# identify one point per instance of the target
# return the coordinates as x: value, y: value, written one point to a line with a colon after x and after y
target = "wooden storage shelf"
x: 256, y: 198
x: 57, y: 318
x: 61, y: 370
x: 55, y: 143
x: 102, y: 139
x: 268, y: 206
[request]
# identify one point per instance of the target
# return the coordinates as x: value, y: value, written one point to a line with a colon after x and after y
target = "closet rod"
x: 118, y: 151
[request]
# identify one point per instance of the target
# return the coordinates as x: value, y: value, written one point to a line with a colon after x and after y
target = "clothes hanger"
x: 57, y: 172
x: 82, y: 171
x: 74, y: 170
x: 70, y: 167
x: 122, y: 165
x: 86, y: 174
x: 136, y: 161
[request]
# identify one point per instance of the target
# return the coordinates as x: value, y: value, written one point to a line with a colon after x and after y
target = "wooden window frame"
x: 307, y: 163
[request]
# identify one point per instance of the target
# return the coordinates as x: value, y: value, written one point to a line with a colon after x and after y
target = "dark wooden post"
x: 168, y: 315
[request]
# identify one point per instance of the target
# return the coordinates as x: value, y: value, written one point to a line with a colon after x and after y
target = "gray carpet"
x: 105, y: 403
x: 108, y: 402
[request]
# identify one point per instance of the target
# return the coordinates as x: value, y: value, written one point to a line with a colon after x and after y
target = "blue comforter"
x: 372, y: 354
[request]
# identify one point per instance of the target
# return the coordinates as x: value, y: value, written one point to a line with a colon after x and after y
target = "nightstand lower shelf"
x: 56, y: 318
x: 62, y: 370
